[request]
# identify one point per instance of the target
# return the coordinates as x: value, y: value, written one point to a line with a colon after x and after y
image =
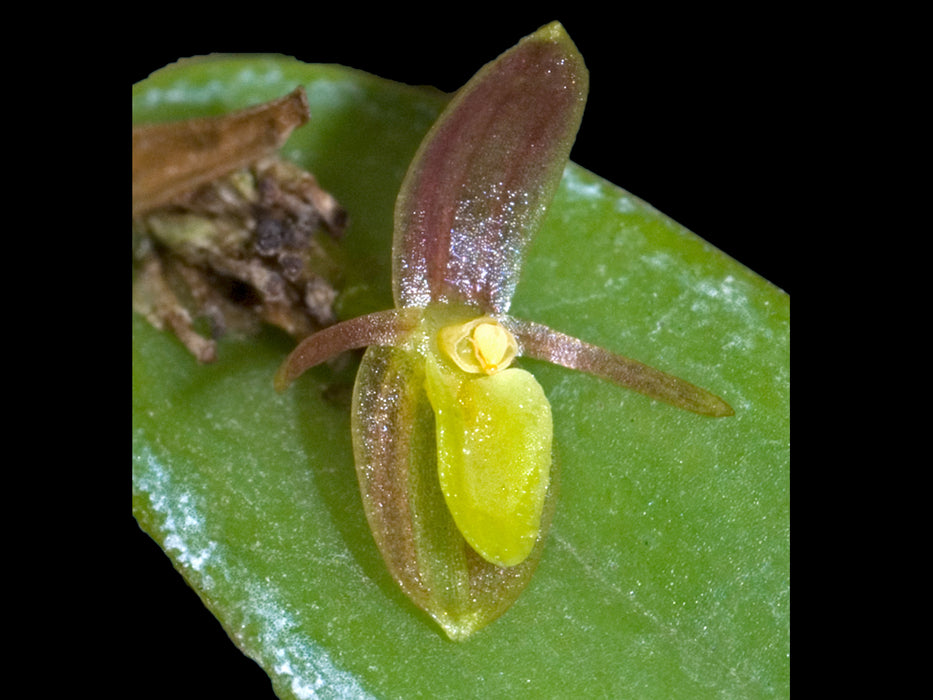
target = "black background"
x: 690, y: 113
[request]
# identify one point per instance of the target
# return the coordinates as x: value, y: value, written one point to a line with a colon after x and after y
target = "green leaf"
x: 666, y: 573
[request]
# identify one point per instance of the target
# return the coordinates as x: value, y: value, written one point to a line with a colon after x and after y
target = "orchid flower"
x: 452, y: 439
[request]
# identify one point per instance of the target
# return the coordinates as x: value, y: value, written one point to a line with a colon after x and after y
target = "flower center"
x: 480, y: 346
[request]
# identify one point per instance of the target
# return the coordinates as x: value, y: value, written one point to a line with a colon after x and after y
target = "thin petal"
x: 381, y: 328
x: 543, y: 343
x: 485, y: 174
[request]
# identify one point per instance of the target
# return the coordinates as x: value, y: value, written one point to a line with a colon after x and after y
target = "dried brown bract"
x: 226, y: 234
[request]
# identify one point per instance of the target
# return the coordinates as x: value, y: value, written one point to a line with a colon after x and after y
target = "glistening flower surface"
x: 452, y: 443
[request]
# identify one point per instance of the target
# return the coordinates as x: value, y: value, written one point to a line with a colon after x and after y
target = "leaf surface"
x: 666, y: 573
